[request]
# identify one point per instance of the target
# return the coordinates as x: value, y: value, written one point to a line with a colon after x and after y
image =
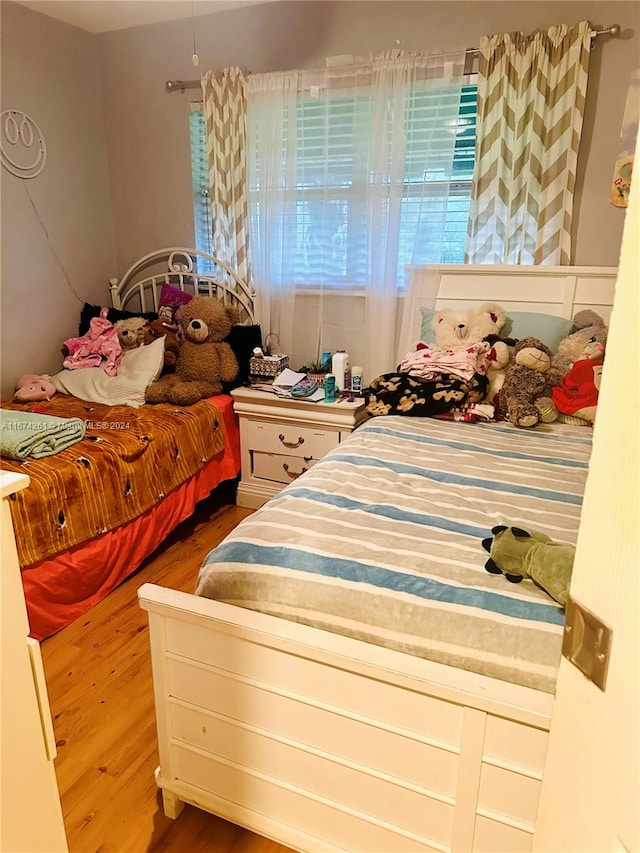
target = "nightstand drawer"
x: 290, y: 438
x: 279, y: 468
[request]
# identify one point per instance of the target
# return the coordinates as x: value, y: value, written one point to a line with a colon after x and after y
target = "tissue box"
x: 269, y: 366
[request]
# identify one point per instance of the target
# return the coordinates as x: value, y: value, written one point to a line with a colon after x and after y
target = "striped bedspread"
x: 381, y: 541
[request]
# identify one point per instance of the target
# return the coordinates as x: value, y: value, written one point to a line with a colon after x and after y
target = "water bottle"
x: 341, y: 368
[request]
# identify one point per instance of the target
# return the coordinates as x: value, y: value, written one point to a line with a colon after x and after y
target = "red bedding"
x: 62, y: 588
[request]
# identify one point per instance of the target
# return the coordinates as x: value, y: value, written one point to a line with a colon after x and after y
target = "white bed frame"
x: 323, y: 742
x: 190, y: 270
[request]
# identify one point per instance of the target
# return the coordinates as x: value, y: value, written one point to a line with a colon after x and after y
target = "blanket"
x: 404, y: 394
x: 128, y: 460
x: 381, y: 540
x: 24, y: 434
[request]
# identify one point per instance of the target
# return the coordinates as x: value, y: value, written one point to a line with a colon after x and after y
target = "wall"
x: 148, y: 140
x: 83, y: 88
x: 50, y: 70
x: 151, y: 184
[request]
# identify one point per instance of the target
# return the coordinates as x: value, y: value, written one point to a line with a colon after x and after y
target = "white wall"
x: 51, y: 71
x: 99, y: 96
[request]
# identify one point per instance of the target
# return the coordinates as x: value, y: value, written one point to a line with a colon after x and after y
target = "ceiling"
x: 100, y: 16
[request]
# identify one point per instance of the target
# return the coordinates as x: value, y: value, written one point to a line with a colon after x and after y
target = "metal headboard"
x: 190, y: 270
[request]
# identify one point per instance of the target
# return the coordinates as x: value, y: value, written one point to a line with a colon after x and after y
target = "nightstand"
x: 281, y: 439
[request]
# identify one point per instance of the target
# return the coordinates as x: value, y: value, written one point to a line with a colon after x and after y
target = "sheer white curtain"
x: 349, y: 172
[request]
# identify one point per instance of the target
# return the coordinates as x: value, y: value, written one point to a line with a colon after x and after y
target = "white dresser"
x: 282, y: 438
x: 30, y: 803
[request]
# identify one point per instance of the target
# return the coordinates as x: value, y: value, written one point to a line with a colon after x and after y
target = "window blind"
x: 325, y: 222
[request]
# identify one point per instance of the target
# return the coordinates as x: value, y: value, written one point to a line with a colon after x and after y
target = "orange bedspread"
x: 128, y: 461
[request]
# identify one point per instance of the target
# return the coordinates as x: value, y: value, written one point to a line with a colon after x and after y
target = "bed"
x: 94, y: 511
x: 357, y: 680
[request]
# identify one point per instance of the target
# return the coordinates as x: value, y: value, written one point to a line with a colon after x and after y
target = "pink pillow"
x: 173, y: 296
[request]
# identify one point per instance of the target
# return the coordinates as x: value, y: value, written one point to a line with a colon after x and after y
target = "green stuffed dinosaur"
x: 519, y: 553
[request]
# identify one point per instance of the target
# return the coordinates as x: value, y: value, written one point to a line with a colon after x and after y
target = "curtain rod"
x: 181, y: 85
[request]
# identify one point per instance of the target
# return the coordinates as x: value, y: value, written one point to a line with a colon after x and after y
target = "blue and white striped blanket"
x: 381, y: 540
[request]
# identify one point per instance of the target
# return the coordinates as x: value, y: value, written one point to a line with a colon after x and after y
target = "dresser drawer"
x: 280, y: 468
x: 286, y: 438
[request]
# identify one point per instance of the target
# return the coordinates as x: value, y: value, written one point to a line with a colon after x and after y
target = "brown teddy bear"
x: 130, y: 332
x: 528, y: 376
x: 159, y: 328
x: 204, y: 360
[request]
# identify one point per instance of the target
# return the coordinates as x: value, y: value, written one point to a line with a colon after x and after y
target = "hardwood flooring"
x: 98, y: 674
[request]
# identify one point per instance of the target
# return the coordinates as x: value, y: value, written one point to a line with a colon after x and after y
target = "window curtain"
x: 331, y: 170
x: 531, y: 97
x: 225, y: 109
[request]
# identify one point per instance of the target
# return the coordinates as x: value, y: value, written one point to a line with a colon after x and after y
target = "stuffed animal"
x: 527, y: 378
x: 204, y: 359
x: 155, y: 329
x: 457, y: 329
x: 580, y: 358
x: 499, y: 358
x: 587, y: 342
x: 32, y: 388
x: 575, y: 399
x: 518, y: 553
x: 130, y: 332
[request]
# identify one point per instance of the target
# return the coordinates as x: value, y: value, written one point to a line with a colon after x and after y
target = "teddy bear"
x: 456, y: 329
x: 521, y: 553
x: 159, y: 328
x: 499, y: 359
x: 580, y: 358
x: 130, y: 332
x: 204, y: 358
x: 528, y: 377
x: 33, y: 388
x: 586, y: 342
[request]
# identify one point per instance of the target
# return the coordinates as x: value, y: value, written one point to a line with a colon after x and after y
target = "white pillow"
x: 137, y: 370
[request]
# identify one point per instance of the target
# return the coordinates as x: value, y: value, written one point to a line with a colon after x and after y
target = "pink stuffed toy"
x: 32, y: 388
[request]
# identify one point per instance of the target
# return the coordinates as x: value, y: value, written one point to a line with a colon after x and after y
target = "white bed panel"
x: 324, y: 742
x: 315, y: 683
x: 494, y: 837
x: 559, y: 291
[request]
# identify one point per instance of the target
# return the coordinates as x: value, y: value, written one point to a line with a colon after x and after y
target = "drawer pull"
x: 293, y: 474
x: 291, y: 444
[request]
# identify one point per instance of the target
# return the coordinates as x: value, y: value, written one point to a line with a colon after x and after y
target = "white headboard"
x: 560, y: 291
x: 188, y: 270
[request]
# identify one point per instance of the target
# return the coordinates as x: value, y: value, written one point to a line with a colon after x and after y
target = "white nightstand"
x: 280, y: 439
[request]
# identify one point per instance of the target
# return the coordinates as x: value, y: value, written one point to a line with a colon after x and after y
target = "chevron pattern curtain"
x: 225, y: 109
x: 531, y: 97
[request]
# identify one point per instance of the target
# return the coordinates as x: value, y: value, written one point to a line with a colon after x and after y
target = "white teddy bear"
x: 455, y: 329
x: 458, y: 328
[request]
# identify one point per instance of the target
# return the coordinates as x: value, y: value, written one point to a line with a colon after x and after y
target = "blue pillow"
x: 547, y: 328
x: 519, y: 324
x: 427, y: 335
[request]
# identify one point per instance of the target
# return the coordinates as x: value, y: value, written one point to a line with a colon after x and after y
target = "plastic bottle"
x: 356, y: 378
x: 341, y: 368
x: 329, y: 388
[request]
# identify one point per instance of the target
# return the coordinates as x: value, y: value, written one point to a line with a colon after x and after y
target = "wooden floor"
x: 100, y: 690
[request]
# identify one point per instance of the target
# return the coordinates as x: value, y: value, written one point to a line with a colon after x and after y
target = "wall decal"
x: 22, y: 146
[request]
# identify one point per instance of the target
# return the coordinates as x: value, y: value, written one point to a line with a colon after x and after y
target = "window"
x: 326, y: 227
